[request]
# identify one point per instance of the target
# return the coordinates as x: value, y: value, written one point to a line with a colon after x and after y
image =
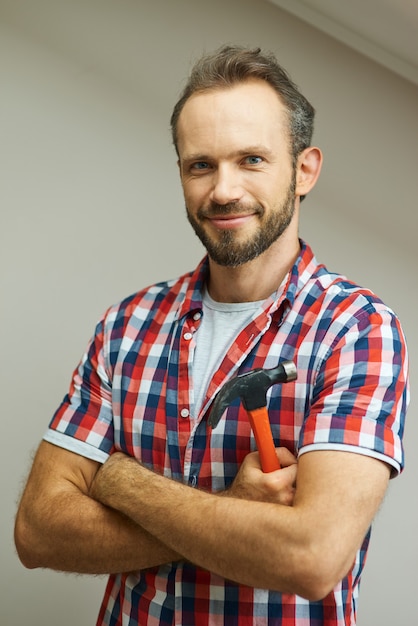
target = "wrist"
x: 112, y: 479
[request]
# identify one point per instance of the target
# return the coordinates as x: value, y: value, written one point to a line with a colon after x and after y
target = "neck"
x: 259, y: 278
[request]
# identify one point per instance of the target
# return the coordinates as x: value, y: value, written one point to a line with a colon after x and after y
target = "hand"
x: 251, y: 483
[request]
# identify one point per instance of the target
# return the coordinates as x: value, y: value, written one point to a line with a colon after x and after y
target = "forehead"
x: 249, y: 112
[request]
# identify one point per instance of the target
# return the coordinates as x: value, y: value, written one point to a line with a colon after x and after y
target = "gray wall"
x: 91, y: 210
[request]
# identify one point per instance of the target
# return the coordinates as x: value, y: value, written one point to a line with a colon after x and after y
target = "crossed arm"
x: 76, y: 515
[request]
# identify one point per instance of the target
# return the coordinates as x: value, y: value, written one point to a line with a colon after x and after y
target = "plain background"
x: 92, y: 210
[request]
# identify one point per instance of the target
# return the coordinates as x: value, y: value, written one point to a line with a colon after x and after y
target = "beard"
x: 228, y: 251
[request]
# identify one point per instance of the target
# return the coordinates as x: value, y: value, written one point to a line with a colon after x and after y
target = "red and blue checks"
x: 133, y: 391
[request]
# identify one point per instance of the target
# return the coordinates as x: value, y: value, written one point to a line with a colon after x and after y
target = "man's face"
x: 236, y: 170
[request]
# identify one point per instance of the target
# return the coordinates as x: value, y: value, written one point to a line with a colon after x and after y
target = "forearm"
x: 306, y: 548
x: 215, y: 533
x: 59, y: 526
x: 77, y: 534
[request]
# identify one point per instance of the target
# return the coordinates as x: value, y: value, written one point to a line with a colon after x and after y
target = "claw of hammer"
x: 251, y: 388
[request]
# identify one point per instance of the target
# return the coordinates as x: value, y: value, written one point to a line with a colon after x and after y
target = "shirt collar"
x: 192, y: 300
x: 305, y: 265
x: 302, y: 270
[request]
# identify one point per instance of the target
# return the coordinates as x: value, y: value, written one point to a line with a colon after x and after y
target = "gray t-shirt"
x: 221, y: 323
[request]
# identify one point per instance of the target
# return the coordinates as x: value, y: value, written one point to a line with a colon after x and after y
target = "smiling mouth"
x: 230, y: 221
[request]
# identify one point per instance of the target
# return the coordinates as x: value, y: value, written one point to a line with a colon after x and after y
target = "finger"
x: 291, y: 472
x: 286, y: 476
x: 279, y: 486
x: 252, y: 459
x: 286, y: 457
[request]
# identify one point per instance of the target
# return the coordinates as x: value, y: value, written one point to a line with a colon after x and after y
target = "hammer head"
x: 251, y: 388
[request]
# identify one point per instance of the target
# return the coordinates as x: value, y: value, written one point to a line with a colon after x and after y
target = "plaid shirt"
x: 133, y: 391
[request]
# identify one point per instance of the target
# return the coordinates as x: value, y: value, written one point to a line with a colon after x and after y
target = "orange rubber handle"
x: 260, y: 424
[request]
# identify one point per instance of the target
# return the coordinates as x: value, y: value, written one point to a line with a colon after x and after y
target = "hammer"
x: 251, y: 388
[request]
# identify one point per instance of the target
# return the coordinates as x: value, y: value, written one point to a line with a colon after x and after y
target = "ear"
x: 308, y: 168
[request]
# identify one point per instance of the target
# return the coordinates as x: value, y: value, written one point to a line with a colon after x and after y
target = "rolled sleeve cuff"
x: 75, y: 445
x: 395, y: 466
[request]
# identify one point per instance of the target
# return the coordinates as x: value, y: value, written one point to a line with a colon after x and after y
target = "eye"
x: 200, y: 166
x: 253, y: 160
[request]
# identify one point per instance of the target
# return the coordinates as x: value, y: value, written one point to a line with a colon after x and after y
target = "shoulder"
x: 317, y: 291
x: 333, y: 296
x: 330, y: 311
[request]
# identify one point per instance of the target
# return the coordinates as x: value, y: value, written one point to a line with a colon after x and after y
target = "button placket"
x: 189, y: 330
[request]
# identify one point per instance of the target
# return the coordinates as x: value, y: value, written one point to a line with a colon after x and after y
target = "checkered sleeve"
x: 361, y: 392
x: 83, y: 423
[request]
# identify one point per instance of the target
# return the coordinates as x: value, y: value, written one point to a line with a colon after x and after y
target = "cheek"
x: 195, y: 193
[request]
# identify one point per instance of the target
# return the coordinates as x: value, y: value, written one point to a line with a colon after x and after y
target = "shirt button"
x: 184, y: 413
x: 197, y: 316
x: 187, y: 336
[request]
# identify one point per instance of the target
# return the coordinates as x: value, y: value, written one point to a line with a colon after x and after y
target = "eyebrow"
x: 195, y: 157
x: 247, y: 151
x: 256, y: 149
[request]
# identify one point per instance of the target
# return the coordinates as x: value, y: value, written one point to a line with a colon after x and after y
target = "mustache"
x: 214, y: 210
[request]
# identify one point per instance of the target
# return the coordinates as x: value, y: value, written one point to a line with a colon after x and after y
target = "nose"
x: 226, y: 185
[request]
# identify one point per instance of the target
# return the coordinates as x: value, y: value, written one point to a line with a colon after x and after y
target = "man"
x: 132, y: 482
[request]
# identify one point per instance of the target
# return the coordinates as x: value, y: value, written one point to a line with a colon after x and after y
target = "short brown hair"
x: 230, y: 65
